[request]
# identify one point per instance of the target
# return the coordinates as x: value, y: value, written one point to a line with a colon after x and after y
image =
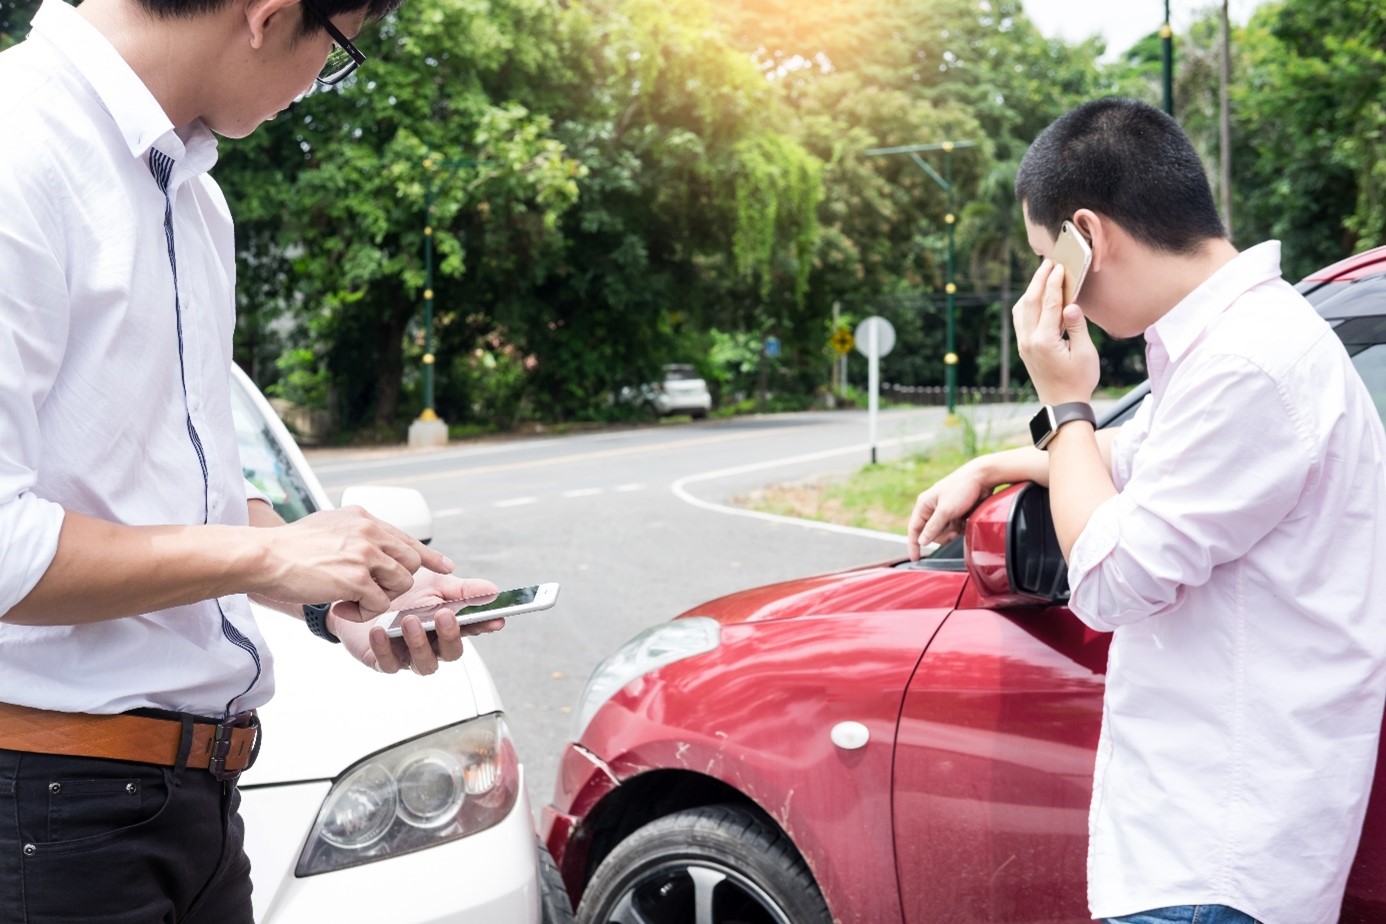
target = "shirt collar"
x: 1183, y: 324
x: 138, y: 116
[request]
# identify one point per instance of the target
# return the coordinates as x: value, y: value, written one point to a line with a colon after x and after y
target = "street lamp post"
x: 1167, y: 62
x: 429, y: 429
x: 950, y: 358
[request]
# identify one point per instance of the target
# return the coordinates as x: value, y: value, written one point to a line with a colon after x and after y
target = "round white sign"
x: 885, y: 336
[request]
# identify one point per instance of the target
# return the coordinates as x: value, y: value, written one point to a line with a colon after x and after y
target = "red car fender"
x: 757, y: 714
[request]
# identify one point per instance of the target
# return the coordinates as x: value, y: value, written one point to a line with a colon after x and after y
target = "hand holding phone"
x: 476, y: 609
x: 1072, y: 252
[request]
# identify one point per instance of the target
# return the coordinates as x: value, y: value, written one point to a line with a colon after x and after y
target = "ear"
x: 259, y: 13
x: 1097, y: 230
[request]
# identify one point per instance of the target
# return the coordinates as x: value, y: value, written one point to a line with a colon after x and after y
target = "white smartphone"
x: 1071, y: 251
x: 476, y: 609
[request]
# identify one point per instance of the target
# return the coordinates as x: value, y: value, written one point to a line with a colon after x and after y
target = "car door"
x: 993, y: 767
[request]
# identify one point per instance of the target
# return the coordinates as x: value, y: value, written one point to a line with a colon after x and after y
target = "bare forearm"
x: 103, y: 570
x: 1012, y: 465
x: 262, y: 515
x: 1027, y: 463
x: 1080, y: 481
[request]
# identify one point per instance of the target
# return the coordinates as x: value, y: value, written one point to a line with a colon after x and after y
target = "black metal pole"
x: 950, y: 357
x: 1167, y: 61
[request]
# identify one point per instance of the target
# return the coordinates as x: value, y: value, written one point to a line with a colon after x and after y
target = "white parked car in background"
x: 682, y: 391
x: 379, y: 797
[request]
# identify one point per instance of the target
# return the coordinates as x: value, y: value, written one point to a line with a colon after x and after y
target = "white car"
x: 682, y: 391
x: 379, y: 797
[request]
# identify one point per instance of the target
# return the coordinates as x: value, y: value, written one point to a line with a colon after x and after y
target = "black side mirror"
x: 1033, y: 558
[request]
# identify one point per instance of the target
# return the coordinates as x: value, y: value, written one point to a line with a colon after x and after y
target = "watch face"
x: 1041, y: 426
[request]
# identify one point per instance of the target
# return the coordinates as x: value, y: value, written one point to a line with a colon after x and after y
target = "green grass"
x: 879, y: 497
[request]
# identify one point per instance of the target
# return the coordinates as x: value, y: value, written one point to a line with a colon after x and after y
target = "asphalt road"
x: 633, y: 524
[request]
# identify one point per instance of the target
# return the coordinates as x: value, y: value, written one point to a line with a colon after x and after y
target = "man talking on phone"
x: 1231, y: 536
x: 129, y: 660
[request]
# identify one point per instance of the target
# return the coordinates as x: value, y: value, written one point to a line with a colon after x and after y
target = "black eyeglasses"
x: 344, y: 58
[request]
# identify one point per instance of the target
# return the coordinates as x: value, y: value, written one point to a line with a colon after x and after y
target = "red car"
x: 911, y: 742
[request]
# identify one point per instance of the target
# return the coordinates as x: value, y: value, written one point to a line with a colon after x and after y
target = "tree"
x: 15, y: 16
x: 859, y: 74
x: 343, y: 213
x: 1310, y: 119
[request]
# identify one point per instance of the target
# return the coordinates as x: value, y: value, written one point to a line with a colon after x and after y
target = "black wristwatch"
x: 315, y: 615
x: 1051, y: 417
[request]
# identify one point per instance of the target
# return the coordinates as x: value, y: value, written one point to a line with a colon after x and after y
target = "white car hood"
x: 329, y: 711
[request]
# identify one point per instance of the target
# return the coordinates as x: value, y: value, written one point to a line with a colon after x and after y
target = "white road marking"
x: 680, y: 489
x: 553, y: 460
x: 516, y: 502
x: 448, y: 512
x: 582, y: 492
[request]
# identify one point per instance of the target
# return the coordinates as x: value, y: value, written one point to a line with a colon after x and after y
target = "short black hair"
x: 375, y: 10
x: 186, y: 9
x: 1128, y: 161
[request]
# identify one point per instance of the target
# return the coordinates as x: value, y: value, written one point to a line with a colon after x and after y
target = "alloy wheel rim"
x: 694, y: 891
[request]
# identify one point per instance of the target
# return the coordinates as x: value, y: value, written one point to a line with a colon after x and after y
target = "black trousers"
x: 88, y: 840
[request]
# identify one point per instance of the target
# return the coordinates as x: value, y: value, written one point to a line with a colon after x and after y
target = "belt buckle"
x: 221, y: 745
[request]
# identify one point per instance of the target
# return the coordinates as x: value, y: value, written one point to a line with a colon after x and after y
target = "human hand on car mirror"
x: 941, y: 511
x: 1061, y: 368
x: 418, y: 650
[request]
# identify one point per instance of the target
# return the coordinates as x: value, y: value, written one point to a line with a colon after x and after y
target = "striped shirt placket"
x: 161, y: 166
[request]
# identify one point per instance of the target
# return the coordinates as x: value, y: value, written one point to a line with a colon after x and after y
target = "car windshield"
x: 679, y: 373
x: 265, y: 463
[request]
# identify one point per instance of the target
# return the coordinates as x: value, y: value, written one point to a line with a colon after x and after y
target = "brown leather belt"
x: 224, y: 748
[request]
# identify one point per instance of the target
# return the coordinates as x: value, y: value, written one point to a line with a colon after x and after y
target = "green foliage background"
x: 616, y: 184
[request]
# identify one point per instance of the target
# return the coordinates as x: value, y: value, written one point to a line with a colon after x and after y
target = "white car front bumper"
x: 486, y: 878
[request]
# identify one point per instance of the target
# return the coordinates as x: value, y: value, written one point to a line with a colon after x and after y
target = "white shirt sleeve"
x: 33, y: 335
x: 1229, y: 464
x: 254, y: 493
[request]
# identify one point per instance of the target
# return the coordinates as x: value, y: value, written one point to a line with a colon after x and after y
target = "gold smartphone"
x: 1071, y: 251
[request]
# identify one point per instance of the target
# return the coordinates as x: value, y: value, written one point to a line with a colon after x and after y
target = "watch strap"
x: 315, y: 617
x: 1073, y: 410
x: 1060, y: 414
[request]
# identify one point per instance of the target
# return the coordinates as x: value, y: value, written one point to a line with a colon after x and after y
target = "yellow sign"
x: 842, y: 341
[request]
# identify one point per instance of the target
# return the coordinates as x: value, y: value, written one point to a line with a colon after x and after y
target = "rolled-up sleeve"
x: 1229, y: 464
x: 34, y: 312
x: 254, y: 493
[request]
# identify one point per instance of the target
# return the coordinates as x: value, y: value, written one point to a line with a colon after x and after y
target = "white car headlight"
x: 436, y: 788
x: 654, y: 648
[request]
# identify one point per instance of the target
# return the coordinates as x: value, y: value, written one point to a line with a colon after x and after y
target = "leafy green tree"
x: 343, y: 215
x: 860, y: 74
x: 1309, y: 119
x: 14, y: 20
x: 694, y: 210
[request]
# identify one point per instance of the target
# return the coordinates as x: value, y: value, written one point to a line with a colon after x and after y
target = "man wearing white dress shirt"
x: 1231, y: 536
x: 130, y: 665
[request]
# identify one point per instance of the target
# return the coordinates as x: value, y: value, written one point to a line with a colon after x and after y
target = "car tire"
x: 554, y: 905
x: 659, y: 873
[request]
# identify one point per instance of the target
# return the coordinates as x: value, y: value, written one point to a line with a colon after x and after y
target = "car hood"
x: 329, y: 711
x: 874, y: 588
